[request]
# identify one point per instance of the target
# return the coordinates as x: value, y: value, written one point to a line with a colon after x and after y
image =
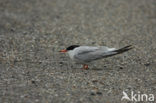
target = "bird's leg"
x: 85, y: 66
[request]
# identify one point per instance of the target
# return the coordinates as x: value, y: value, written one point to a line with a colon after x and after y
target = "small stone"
x: 99, y: 93
x: 147, y: 64
x: 105, y: 66
x: 85, y: 73
x: 40, y: 62
x: 94, y: 81
x: 33, y: 82
x: 93, y: 42
x: 57, y: 17
x: 60, y: 63
x: 92, y: 93
x: 12, y: 29
x: 51, y: 73
x: 36, y: 100
x: 120, y: 67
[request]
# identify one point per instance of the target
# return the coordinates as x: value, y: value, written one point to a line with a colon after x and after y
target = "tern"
x: 86, y: 54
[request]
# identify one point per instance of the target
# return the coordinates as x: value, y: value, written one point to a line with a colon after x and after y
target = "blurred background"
x: 33, y: 31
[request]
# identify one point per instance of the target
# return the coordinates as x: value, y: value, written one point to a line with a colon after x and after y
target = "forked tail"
x: 119, y: 51
x: 124, y: 49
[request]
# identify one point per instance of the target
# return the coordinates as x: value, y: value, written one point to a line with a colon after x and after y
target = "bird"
x: 86, y: 54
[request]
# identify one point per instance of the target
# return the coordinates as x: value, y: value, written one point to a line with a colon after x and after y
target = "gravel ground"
x: 32, y: 31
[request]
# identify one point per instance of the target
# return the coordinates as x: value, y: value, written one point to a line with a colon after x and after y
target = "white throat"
x: 71, y: 54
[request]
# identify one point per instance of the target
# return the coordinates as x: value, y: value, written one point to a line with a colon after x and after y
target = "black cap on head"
x: 72, y: 47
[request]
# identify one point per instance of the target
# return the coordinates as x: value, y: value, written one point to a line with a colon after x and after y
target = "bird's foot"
x: 85, y: 67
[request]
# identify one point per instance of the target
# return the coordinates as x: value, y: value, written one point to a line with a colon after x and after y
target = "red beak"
x: 63, y: 51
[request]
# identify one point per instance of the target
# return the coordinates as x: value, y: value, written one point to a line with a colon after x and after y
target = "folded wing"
x: 88, y: 54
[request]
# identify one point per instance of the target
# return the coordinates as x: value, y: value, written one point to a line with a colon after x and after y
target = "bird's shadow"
x: 96, y: 69
x: 90, y: 68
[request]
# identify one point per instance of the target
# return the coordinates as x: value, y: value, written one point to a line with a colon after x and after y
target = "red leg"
x: 85, y: 66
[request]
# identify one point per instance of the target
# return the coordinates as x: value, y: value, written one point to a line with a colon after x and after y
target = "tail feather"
x: 119, y: 51
x: 124, y: 49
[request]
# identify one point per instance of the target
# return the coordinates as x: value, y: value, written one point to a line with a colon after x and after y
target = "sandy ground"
x: 33, y: 31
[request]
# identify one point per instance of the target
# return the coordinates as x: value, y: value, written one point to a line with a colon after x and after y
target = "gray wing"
x: 100, y: 52
x: 88, y: 54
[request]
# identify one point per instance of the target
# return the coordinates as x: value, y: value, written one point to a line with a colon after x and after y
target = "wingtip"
x: 124, y: 49
x: 129, y: 46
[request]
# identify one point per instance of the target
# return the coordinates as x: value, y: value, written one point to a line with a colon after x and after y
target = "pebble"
x: 147, y: 64
x: 99, y: 93
x: 92, y: 93
x: 120, y: 67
